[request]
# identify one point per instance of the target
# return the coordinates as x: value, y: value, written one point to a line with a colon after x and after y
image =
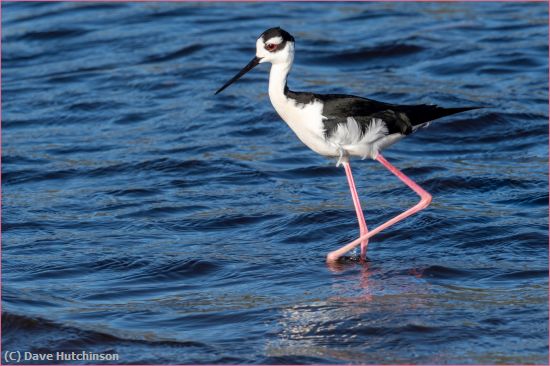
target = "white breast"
x: 306, y: 121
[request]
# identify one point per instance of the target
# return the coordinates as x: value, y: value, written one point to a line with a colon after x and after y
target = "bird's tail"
x: 419, y: 114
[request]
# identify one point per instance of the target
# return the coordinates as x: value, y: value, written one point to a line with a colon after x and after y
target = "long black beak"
x: 255, y: 61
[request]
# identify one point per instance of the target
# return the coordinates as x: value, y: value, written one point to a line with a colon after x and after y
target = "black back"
x: 398, y: 118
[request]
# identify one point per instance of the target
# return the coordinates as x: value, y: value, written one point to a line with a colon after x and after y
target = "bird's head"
x: 275, y: 45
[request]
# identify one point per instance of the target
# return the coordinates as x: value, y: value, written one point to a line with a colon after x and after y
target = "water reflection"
x: 370, y: 306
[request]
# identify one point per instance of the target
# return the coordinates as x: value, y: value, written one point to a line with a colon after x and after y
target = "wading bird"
x: 340, y: 126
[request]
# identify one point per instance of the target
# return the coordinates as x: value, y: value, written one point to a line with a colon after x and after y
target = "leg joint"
x: 425, y: 201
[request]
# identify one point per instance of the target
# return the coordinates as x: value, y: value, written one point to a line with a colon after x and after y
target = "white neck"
x: 277, y: 80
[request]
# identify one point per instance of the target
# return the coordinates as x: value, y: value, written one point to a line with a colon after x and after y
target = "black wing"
x: 398, y: 118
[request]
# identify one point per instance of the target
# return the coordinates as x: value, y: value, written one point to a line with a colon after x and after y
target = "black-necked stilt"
x: 338, y: 125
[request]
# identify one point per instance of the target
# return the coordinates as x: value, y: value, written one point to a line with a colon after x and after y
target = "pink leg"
x: 425, y: 199
x: 357, y: 203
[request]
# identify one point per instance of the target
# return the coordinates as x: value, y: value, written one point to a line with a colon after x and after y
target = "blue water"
x: 144, y: 216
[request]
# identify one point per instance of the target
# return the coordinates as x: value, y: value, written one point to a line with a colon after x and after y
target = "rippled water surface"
x: 144, y: 216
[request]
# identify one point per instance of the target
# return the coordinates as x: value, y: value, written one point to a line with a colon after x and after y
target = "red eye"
x: 270, y: 46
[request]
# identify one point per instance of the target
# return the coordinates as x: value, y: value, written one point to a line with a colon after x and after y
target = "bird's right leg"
x: 358, y: 210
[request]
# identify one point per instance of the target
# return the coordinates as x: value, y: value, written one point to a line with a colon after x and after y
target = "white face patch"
x: 285, y: 55
x: 275, y: 40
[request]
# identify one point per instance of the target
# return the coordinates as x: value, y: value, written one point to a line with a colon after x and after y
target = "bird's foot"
x: 364, y: 245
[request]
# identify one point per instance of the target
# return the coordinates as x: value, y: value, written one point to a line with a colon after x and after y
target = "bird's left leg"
x: 358, y: 210
x: 425, y: 199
